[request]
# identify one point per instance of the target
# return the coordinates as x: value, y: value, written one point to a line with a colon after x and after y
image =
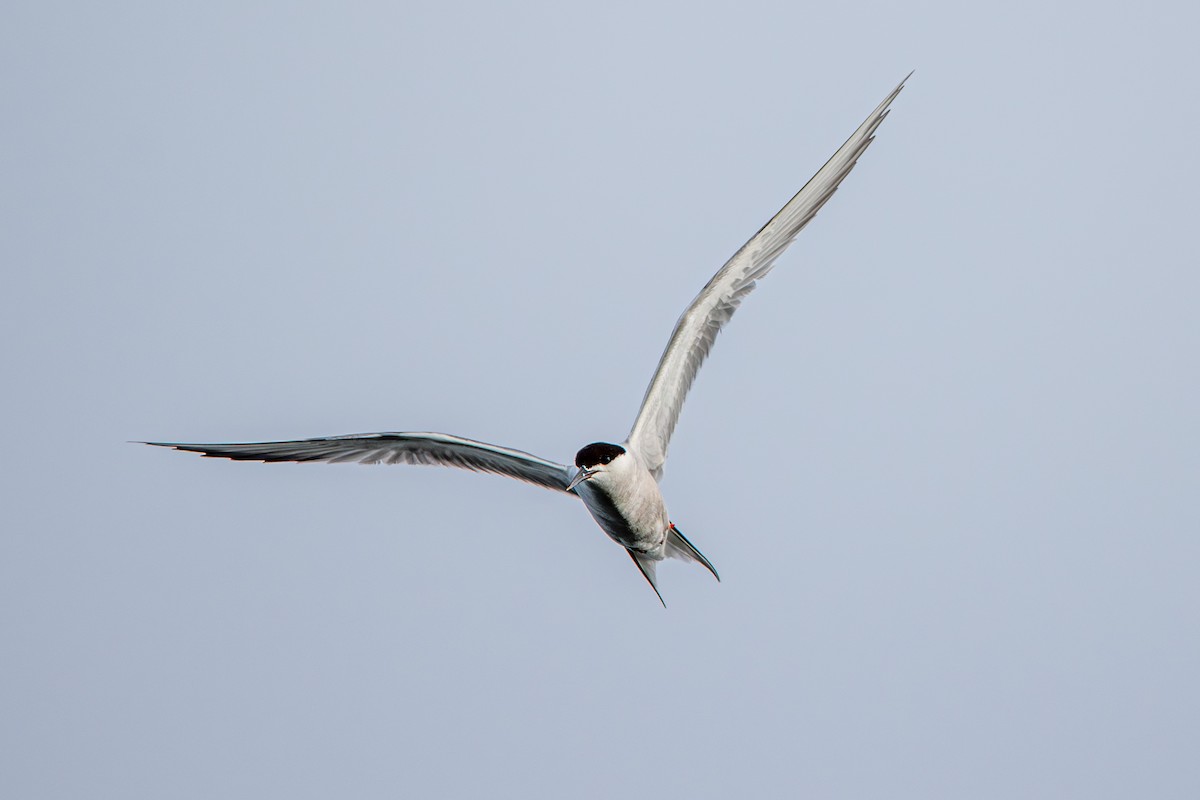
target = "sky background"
x: 946, y: 458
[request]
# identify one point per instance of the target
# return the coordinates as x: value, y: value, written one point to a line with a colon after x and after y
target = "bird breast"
x: 629, y: 507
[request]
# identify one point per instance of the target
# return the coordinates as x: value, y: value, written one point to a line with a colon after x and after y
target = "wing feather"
x: 697, y: 328
x: 438, y: 449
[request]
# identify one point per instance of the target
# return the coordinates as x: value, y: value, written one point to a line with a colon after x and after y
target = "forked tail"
x: 679, y: 547
x: 647, y: 565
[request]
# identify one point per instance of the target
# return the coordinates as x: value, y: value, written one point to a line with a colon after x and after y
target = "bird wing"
x: 699, y: 325
x: 395, y: 448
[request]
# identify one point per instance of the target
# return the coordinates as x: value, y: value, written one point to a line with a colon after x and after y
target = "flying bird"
x: 618, y: 483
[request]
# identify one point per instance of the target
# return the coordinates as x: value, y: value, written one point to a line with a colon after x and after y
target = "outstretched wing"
x: 395, y: 448
x: 697, y: 329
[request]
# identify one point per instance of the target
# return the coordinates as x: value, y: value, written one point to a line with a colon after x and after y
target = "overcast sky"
x: 946, y: 458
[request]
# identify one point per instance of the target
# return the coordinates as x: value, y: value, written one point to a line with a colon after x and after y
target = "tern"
x: 618, y: 483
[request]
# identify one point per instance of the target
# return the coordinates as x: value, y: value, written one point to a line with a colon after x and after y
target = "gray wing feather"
x: 395, y: 448
x: 699, y: 325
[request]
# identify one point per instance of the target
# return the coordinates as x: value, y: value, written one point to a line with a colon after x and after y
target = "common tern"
x: 618, y: 483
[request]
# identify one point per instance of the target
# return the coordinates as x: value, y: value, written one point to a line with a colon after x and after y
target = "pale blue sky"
x: 946, y: 458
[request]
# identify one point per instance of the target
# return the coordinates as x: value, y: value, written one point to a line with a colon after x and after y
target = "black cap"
x: 597, y: 453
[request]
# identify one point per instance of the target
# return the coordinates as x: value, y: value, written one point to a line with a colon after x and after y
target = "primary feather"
x: 699, y: 325
x: 396, y: 448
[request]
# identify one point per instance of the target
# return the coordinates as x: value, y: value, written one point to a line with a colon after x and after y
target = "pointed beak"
x: 580, y: 477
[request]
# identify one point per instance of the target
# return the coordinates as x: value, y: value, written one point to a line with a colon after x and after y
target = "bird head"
x: 594, y: 460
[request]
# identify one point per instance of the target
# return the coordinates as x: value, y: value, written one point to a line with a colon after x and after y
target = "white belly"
x: 630, y: 510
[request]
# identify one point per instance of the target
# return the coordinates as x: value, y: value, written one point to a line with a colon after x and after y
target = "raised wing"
x: 697, y: 329
x: 395, y: 448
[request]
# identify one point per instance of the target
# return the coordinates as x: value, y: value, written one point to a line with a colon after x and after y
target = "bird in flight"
x: 618, y: 483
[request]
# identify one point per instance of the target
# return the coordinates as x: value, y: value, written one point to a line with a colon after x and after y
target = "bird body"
x: 626, y: 503
x: 617, y: 483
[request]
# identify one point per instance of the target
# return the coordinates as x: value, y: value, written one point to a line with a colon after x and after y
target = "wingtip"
x: 899, y: 87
